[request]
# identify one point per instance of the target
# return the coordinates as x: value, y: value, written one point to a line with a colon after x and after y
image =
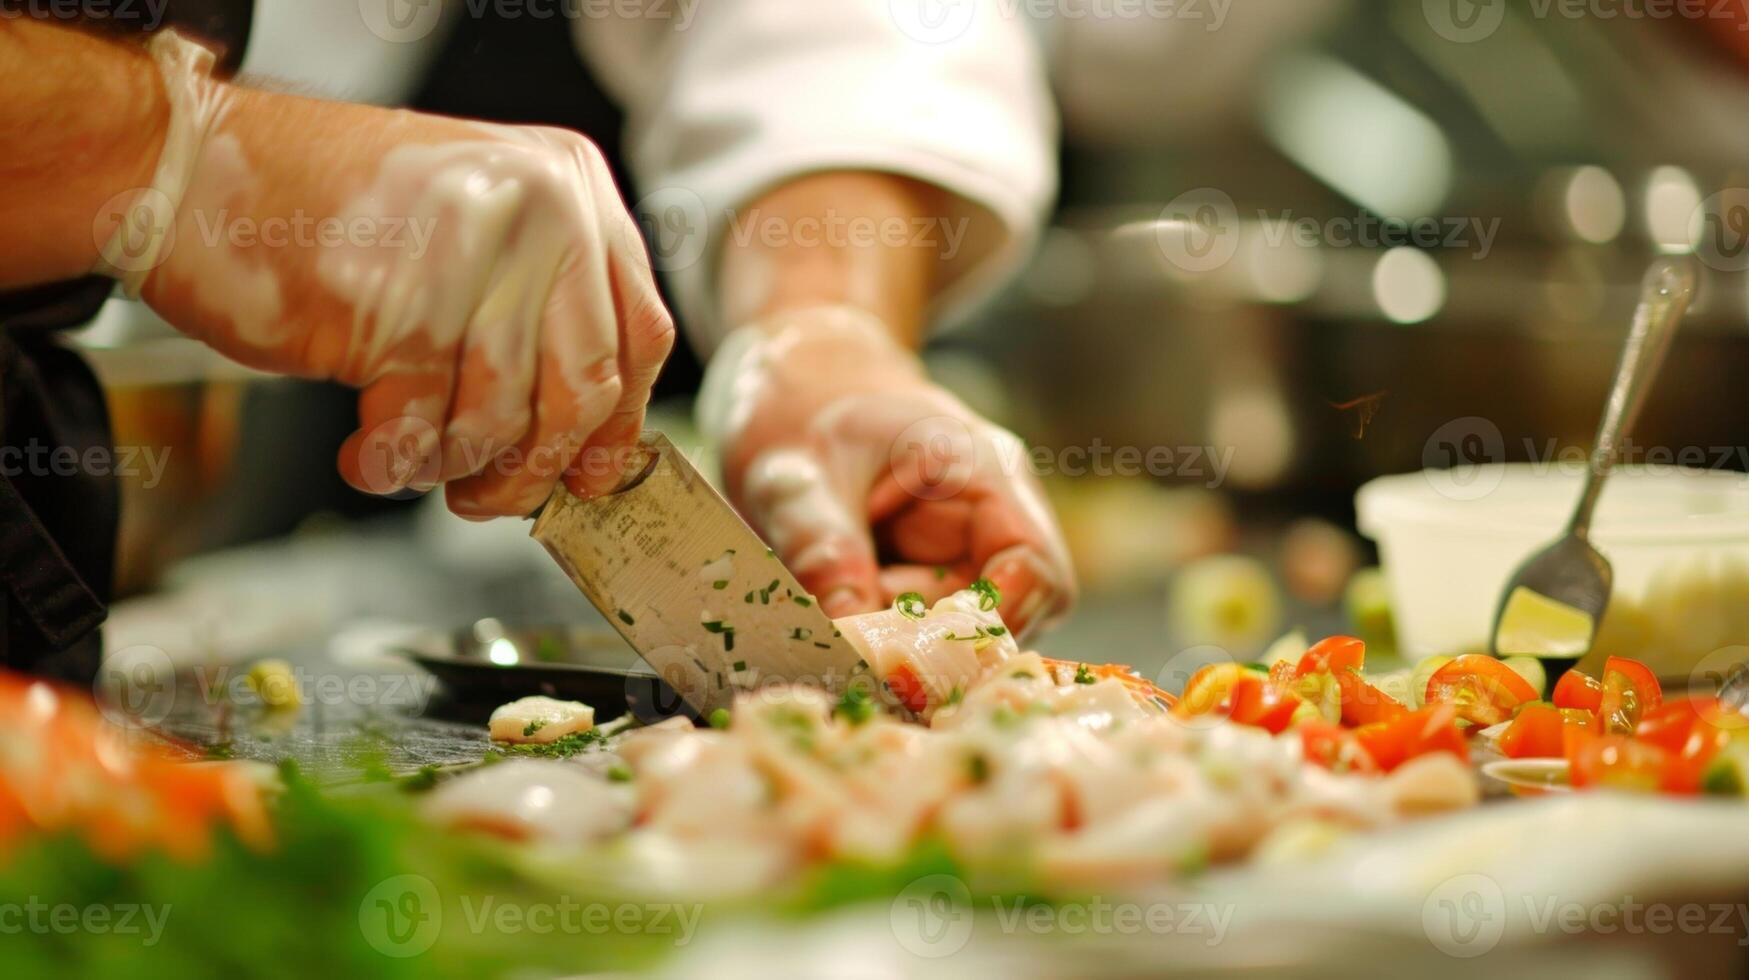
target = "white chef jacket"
x: 728, y: 98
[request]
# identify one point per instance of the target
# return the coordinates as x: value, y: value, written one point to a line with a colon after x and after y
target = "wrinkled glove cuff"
x: 197, y: 103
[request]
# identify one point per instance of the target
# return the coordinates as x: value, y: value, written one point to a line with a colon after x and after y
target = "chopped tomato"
x: 1364, y: 704
x: 1334, y: 747
x: 1614, y: 761
x: 1334, y: 654
x: 909, y: 689
x: 1686, y: 729
x: 1416, y: 733
x: 1578, y: 690
x: 1630, y: 689
x: 1482, y: 689
x: 1539, y: 731
x: 1256, y: 702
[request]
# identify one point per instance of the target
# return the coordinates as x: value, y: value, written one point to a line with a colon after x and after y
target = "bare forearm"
x: 82, y: 121
x: 841, y: 238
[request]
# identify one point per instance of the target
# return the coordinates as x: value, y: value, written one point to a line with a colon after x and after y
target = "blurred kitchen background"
x: 1281, y: 373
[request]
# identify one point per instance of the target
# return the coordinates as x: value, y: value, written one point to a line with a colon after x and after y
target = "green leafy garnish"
x: 989, y: 597
x: 626, y: 618
x: 911, y: 605
x: 804, y: 601
x: 719, y: 719
x: 1083, y: 675
x: 856, y: 706
x: 563, y: 747
x: 532, y: 727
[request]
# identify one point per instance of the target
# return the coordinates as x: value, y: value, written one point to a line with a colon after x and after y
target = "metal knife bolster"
x: 691, y: 587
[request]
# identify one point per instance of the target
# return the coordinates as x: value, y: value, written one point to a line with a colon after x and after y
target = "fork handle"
x: 1664, y: 296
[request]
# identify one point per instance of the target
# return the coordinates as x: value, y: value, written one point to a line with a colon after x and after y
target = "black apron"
x: 58, y: 522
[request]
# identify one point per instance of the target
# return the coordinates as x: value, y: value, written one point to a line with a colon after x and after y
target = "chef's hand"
x: 868, y: 479
x: 482, y: 284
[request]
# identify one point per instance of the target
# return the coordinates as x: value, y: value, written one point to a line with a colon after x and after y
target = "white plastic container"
x: 1678, y: 540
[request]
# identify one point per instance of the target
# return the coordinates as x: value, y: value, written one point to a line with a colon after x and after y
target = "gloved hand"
x: 869, y: 480
x: 482, y: 284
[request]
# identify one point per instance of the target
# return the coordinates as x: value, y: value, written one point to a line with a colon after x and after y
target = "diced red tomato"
x: 1578, y: 690
x: 1687, y: 730
x: 1416, y: 733
x: 1257, y: 702
x: 1630, y: 689
x: 1614, y: 761
x: 1539, y: 731
x: 1364, y: 704
x: 1334, y: 654
x: 909, y: 689
x: 1482, y: 689
x: 1335, y: 748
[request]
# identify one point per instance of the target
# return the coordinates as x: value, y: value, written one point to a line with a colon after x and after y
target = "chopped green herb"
x: 823, y: 646
x: 1024, y: 675
x: 719, y: 719
x: 619, y: 773
x: 626, y: 618
x: 978, y: 767
x: 940, y: 572
x: 856, y: 706
x: 804, y: 601
x: 714, y: 626
x: 563, y: 747
x: 800, y: 633
x: 748, y: 598
x: 420, y: 781
x: 956, y: 695
x: 1083, y: 675
x: 720, y: 584
x: 532, y: 727
x: 740, y: 665
x: 996, y: 630
x: 989, y: 597
x: 911, y: 605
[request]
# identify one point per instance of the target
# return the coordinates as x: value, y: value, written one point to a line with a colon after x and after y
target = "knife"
x: 691, y: 587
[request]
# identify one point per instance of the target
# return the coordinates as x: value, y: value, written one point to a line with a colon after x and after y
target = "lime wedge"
x: 1535, y: 625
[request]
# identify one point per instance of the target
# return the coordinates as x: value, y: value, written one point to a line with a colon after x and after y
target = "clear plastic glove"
x: 483, y: 285
x: 869, y: 480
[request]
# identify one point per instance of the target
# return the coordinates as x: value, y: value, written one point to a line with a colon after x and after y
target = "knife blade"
x: 691, y: 587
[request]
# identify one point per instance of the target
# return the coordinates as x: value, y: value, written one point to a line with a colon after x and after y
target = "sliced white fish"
x: 540, y: 720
